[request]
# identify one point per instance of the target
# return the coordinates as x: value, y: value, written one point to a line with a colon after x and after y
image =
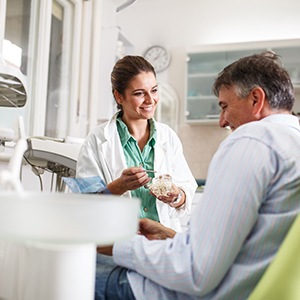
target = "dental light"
x: 124, y: 5
x: 13, y: 91
x: 13, y: 94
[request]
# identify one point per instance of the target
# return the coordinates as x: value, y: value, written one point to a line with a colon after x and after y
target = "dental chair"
x: 48, y: 240
x: 281, y: 280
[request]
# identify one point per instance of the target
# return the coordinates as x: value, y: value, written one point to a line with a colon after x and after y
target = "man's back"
x: 258, y: 202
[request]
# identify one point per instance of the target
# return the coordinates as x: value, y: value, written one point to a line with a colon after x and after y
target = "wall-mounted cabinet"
x: 204, y: 63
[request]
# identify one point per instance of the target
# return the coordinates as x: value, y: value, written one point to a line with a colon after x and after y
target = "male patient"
x: 251, y: 198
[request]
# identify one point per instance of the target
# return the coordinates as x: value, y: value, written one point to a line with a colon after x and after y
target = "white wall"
x: 178, y: 24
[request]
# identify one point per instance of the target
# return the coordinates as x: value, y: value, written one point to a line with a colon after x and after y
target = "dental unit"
x: 48, y: 239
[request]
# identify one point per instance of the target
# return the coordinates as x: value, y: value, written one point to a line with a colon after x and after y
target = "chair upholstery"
x: 281, y: 280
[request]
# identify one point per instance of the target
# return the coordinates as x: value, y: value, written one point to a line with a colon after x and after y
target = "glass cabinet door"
x: 291, y: 61
x: 201, y: 71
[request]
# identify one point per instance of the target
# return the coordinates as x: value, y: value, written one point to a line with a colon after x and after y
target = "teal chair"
x: 281, y: 280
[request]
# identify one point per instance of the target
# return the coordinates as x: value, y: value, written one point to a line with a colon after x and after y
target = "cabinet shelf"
x: 202, y: 97
x: 214, y: 122
x: 202, y: 75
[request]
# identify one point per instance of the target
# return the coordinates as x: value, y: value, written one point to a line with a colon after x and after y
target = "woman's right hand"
x: 130, y: 179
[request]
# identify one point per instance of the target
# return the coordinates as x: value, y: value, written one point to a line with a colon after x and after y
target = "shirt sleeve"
x: 196, y: 261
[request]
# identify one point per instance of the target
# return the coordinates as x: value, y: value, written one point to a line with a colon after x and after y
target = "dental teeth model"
x: 161, y: 185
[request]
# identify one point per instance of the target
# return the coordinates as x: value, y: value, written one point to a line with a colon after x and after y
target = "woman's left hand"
x: 172, y: 196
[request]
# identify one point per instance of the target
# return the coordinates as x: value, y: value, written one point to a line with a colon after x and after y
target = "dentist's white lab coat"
x: 102, y: 155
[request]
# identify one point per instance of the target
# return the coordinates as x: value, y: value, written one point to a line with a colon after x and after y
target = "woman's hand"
x: 130, y: 179
x: 105, y: 250
x: 153, y: 230
x: 172, y: 196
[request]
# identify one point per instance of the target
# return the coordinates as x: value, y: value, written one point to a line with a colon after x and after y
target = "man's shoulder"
x: 273, y: 134
x: 261, y: 128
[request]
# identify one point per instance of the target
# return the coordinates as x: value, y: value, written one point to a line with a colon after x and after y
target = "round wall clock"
x: 158, y: 56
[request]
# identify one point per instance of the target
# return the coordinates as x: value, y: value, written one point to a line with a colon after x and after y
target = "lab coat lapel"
x: 113, y: 151
x: 160, y: 151
x: 160, y: 155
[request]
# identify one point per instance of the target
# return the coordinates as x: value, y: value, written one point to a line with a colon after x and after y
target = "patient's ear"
x: 258, y: 97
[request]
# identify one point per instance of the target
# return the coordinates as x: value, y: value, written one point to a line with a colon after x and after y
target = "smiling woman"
x: 122, y: 149
x: 139, y: 99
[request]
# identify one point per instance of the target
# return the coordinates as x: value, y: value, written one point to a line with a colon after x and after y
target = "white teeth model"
x: 161, y: 185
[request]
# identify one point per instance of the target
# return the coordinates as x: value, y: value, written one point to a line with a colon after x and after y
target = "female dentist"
x: 122, y: 150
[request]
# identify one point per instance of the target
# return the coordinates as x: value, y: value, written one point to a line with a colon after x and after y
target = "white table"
x: 48, y: 241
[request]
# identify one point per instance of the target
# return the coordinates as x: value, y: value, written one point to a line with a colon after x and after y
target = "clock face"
x: 159, y: 57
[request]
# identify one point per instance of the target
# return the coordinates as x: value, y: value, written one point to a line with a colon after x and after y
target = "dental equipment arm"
x: 10, y: 178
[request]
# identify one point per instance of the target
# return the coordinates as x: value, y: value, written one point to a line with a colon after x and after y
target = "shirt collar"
x: 153, y: 133
x: 123, y: 131
x: 287, y: 119
x: 125, y: 136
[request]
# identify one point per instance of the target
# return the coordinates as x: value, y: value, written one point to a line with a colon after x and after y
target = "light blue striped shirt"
x: 251, y: 197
